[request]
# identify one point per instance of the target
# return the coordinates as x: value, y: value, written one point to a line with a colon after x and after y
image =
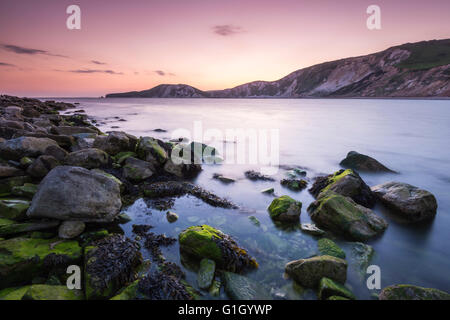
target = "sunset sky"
x: 209, y: 44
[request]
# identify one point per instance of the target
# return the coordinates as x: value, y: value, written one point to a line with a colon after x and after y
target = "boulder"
x: 62, y: 140
x: 87, y: 158
x: 182, y: 170
x: 73, y: 193
x: 26, y: 191
x: 361, y: 162
x: 408, y: 201
x: 52, y: 292
x: 285, y: 208
x: 171, y: 216
x: 329, y: 288
x: 309, y: 272
x: 223, y: 178
x: 311, y: 229
x: 410, y: 292
x: 71, y: 229
x: 205, y: 275
x: 13, y: 209
x: 239, y: 287
x: 342, y: 215
x: 116, y: 142
x: 69, y: 130
x: 15, y: 149
x: 56, y: 152
x: 346, y: 183
x: 41, y: 166
x: 8, y: 171
x: 151, y: 150
x: 7, y: 184
x: 15, y: 228
x: 330, y: 248
x: 22, y: 259
x: 294, y: 184
x: 206, y: 242
x: 137, y: 170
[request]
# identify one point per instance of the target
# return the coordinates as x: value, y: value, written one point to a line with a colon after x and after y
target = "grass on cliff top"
x: 426, y: 54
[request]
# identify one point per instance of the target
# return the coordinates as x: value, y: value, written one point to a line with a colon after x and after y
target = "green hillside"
x: 426, y: 54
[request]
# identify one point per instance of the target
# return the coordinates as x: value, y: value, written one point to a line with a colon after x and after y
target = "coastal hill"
x: 420, y: 69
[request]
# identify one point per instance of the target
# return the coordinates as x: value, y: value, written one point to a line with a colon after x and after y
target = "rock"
x: 337, y: 298
x: 330, y: 248
x: 22, y: 259
x: 69, y: 130
x: 309, y: 272
x: 71, y: 229
x: 48, y: 292
x: 311, y: 229
x: 26, y: 161
x: 253, y: 175
x: 7, y: 184
x: 285, y: 209
x: 328, y: 288
x: 182, y: 170
x: 342, y: 215
x: 206, y: 242
x: 222, y: 178
x: 214, y: 290
x: 13, y: 209
x: 41, y: 166
x: 56, y: 152
x: 151, y: 150
x: 171, y: 216
x: 361, y: 162
x: 16, y: 228
x: 87, y: 158
x: 110, y: 263
x: 294, y: 184
x: 122, y: 156
x: 128, y: 293
x: 8, y: 171
x: 62, y: 140
x: 137, y: 170
x: 240, y: 287
x: 15, y: 293
x: 346, y: 183
x: 205, y: 275
x: 73, y: 193
x: 124, y: 218
x: 409, y: 202
x: 255, y: 221
x: 15, y: 149
x: 116, y: 142
x: 410, y: 292
x: 26, y: 191
x: 361, y: 254
x: 268, y: 191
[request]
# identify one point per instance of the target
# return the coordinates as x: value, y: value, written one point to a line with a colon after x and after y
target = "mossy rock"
x: 205, y: 275
x: 16, y: 228
x: 27, y: 190
x: 150, y: 150
x: 48, y: 292
x: 122, y: 156
x: 22, y: 259
x: 6, y: 222
x: 337, y: 298
x: 285, y: 208
x: 13, y: 209
x: 329, y: 247
x: 206, y: 242
x: 410, y: 292
x: 7, y: 184
x: 15, y: 293
x: 129, y: 293
x: 88, y: 237
x: 328, y: 288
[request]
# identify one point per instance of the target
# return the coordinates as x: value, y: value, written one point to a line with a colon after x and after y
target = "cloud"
x: 98, y: 62
x: 29, y: 51
x: 163, y: 73
x: 227, y: 30
x: 4, y: 64
x: 95, y: 71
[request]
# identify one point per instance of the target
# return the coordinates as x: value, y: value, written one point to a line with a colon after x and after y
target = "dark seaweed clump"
x: 235, y: 258
x: 162, y: 286
x: 318, y: 185
x: 115, y: 259
x: 141, y: 229
x: 154, y: 241
x: 253, y: 175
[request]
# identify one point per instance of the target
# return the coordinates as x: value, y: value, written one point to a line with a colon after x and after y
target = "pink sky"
x: 143, y: 43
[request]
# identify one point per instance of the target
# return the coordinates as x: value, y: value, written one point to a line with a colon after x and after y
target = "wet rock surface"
x: 361, y: 162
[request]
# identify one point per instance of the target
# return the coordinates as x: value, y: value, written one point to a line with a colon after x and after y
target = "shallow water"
x: 409, y: 136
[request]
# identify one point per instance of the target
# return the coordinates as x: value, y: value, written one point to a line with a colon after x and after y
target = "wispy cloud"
x: 227, y: 30
x: 98, y: 62
x: 4, y: 64
x: 95, y: 71
x: 28, y: 51
x: 163, y: 73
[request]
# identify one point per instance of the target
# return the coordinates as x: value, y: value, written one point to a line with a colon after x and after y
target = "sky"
x: 209, y: 44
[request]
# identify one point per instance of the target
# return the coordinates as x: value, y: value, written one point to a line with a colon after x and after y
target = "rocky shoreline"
x: 64, y: 183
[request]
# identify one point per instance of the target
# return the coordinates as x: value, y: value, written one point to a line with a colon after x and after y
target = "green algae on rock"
x: 16, y: 228
x: 206, y: 242
x: 330, y: 248
x: 205, y: 275
x: 15, y: 293
x: 14, y: 209
x: 49, y: 292
x: 328, y: 288
x: 27, y: 190
x: 285, y: 208
x: 410, y: 292
x: 22, y: 259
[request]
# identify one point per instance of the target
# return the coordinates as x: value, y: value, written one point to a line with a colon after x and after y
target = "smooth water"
x: 409, y: 136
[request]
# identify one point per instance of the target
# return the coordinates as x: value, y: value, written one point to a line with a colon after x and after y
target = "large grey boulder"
x: 309, y: 272
x: 15, y: 149
x: 88, y: 158
x: 361, y: 162
x: 152, y: 150
x: 137, y: 170
x: 410, y: 292
x: 410, y: 202
x: 74, y: 193
x: 116, y: 142
x: 41, y: 166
